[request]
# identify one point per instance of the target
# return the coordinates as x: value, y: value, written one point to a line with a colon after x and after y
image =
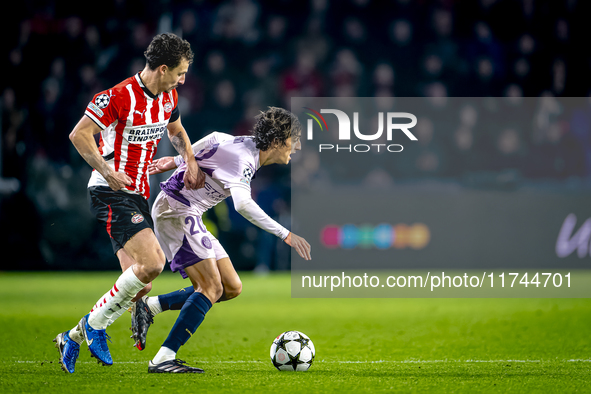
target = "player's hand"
x: 118, y: 180
x: 161, y: 165
x: 194, y: 178
x: 300, y: 245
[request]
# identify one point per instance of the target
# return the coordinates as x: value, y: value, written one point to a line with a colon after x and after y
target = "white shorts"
x: 182, y: 235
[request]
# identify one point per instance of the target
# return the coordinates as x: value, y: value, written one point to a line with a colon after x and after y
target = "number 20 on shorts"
x: 198, y: 221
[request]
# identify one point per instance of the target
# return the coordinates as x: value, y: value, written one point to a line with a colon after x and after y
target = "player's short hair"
x: 168, y: 49
x: 274, y: 127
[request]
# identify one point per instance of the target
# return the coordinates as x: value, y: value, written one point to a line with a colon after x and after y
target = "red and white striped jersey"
x: 133, y: 121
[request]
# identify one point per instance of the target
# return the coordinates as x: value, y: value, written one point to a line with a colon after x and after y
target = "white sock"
x: 116, y: 315
x: 76, y: 335
x: 164, y: 354
x: 155, y: 308
x: 154, y: 305
x: 118, y: 299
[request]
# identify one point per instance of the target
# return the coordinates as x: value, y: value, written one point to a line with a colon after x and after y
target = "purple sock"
x: 191, y: 316
x: 174, y: 301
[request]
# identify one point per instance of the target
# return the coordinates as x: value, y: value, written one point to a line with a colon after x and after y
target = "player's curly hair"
x: 168, y: 49
x: 274, y: 127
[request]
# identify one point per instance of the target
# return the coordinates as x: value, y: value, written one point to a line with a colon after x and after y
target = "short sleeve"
x: 103, y: 109
x: 175, y: 115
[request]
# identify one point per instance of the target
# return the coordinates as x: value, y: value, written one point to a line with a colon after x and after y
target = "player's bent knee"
x: 155, y: 265
x: 159, y: 260
x: 152, y: 263
x: 213, y: 291
x: 233, y: 291
x: 154, y: 270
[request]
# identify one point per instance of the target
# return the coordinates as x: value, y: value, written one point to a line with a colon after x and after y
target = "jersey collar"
x: 145, y: 89
x: 257, y: 159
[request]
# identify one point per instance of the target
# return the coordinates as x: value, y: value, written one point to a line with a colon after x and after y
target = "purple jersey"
x: 227, y: 161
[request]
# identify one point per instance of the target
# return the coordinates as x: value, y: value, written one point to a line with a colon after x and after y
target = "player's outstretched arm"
x: 245, y: 205
x: 300, y: 245
x: 83, y: 139
x: 161, y: 165
x: 194, y: 178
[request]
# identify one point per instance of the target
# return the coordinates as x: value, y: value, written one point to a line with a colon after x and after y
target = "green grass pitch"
x: 362, y: 345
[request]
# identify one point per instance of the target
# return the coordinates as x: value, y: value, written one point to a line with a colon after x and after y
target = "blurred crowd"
x: 253, y: 54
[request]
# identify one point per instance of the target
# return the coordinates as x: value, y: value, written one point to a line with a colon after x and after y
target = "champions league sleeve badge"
x: 102, y: 101
x: 247, y: 175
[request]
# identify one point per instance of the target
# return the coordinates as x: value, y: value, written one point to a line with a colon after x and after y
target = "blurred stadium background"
x: 253, y: 54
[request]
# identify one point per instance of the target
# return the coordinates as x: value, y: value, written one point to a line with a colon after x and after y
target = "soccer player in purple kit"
x: 230, y: 163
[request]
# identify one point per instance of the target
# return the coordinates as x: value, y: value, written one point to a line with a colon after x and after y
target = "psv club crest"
x: 137, y: 218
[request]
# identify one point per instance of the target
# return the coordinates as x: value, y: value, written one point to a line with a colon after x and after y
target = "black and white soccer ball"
x: 292, y: 351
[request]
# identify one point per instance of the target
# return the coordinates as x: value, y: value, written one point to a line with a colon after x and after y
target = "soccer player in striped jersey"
x: 230, y: 163
x: 130, y: 119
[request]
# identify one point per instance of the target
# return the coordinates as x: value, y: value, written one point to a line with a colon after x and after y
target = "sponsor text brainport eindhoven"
x: 140, y: 134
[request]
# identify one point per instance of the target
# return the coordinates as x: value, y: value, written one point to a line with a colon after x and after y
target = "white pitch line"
x: 339, y: 362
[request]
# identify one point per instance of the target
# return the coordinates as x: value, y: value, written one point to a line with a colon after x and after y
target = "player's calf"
x: 142, y: 292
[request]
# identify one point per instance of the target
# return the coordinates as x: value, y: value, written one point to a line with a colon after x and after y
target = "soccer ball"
x: 292, y: 351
